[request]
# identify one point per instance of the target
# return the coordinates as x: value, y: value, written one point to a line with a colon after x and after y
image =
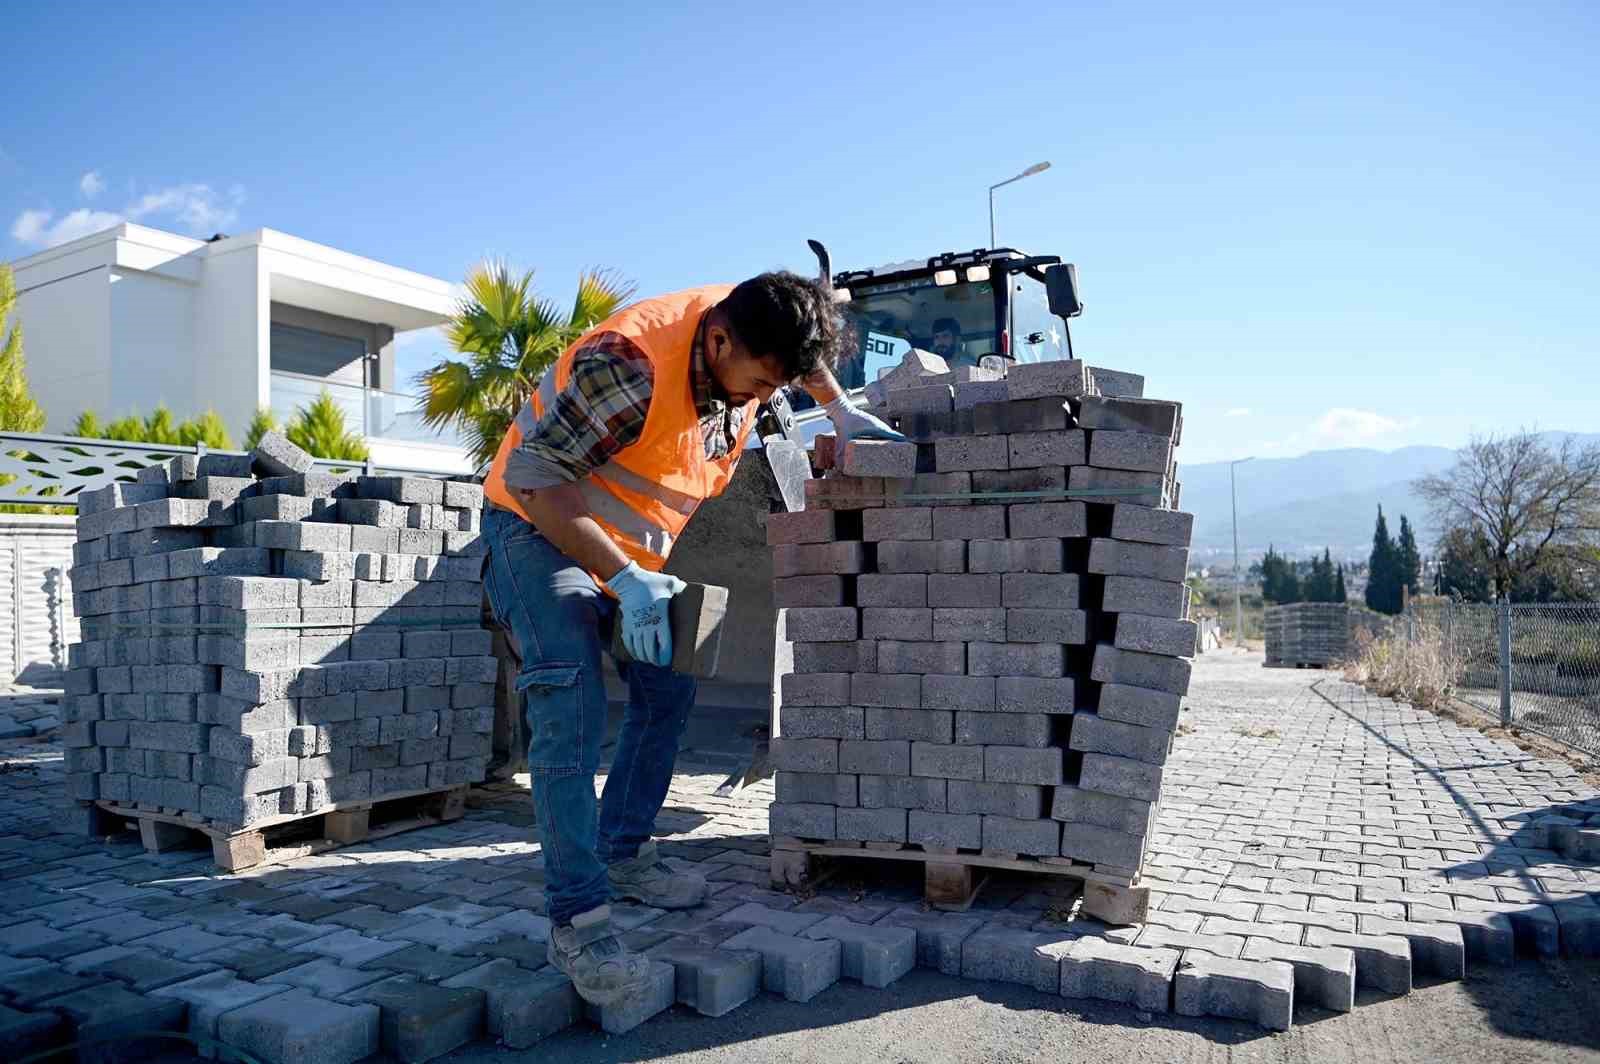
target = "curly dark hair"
x: 791, y: 318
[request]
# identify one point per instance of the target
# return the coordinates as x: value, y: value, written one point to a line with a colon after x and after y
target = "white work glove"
x: 643, y: 597
x: 853, y: 423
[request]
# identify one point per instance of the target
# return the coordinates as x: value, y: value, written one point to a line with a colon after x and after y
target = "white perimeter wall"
x: 229, y: 345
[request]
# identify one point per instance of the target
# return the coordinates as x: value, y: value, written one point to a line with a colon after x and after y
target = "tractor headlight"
x: 944, y: 277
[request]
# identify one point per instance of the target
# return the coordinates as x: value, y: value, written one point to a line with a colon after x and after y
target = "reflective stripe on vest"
x: 622, y: 520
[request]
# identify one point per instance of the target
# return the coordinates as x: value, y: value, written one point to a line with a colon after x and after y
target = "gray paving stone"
x: 296, y: 1027
x: 419, y: 1021
x: 873, y: 955
x: 1108, y: 971
x: 797, y: 968
x: 657, y: 995
x: 1261, y: 992
x: 110, y: 1013
x: 1323, y: 975
x: 1000, y: 954
x: 1383, y: 962
x: 23, y: 1034
x: 325, y: 977
x: 710, y: 980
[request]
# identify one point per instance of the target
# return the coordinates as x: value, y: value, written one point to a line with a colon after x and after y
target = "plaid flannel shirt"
x: 603, y: 408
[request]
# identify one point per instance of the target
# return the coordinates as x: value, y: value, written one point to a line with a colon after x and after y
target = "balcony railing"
x: 368, y: 411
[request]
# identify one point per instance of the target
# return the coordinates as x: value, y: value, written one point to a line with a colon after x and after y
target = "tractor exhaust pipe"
x: 824, y: 262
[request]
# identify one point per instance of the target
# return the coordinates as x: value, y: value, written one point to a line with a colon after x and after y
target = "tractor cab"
x: 961, y: 306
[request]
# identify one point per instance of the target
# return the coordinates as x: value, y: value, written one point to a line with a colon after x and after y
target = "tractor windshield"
x: 956, y: 322
x: 1036, y: 334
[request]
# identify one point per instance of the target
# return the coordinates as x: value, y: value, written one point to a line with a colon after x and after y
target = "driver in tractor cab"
x: 639, y: 422
x: 946, y: 343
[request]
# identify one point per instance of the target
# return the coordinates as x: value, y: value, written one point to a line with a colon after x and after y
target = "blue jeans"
x: 560, y: 619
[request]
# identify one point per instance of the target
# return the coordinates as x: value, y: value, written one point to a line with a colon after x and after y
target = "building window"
x: 318, y: 354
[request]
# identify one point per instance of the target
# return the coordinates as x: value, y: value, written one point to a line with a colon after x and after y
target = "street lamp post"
x: 1238, y: 606
x: 1036, y: 168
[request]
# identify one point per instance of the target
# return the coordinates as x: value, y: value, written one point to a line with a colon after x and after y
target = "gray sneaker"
x: 601, y: 970
x: 644, y: 878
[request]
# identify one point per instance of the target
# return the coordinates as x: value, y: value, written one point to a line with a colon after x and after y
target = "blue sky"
x: 1337, y: 225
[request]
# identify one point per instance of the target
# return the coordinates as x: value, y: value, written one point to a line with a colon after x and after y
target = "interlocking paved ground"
x: 1298, y: 809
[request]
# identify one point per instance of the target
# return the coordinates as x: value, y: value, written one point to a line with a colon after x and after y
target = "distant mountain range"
x: 1321, y: 499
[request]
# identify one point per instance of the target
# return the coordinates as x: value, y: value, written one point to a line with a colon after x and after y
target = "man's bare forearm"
x: 559, y: 513
x: 821, y: 386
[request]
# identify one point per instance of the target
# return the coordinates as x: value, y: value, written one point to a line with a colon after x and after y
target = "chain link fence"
x: 1535, y: 666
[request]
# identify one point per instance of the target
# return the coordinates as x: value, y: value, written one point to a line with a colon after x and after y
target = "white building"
x: 132, y: 317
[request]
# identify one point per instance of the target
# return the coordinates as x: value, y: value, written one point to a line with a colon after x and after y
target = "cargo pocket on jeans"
x: 553, y: 710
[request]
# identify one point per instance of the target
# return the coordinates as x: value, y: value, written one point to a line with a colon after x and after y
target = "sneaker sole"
x: 643, y: 899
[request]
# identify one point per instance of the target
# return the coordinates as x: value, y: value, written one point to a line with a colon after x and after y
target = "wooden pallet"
x: 953, y: 878
x: 290, y: 835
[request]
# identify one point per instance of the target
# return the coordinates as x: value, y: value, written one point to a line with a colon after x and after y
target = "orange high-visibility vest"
x: 646, y: 493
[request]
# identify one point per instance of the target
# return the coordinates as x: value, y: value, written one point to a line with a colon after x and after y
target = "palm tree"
x: 509, y: 336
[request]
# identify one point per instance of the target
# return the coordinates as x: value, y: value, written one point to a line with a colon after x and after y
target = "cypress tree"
x: 1408, y: 560
x: 19, y: 411
x: 1383, y: 583
x: 1339, y: 594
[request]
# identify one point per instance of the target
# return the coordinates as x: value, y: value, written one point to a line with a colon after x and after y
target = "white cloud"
x: 1347, y: 427
x: 1238, y: 411
x: 34, y: 227
x: 195, y: 208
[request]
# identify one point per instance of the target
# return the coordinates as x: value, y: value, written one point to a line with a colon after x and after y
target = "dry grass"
x: 1420, y: 671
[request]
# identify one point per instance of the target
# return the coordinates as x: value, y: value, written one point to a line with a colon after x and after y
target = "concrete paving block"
x: 325, y: 977
x: 950, y: 830
x: 1323, y: 975
x: 799, y: 559
x: 1092, y: 733
x: 295, y: 1028
x: 1108, y: 971
x: 420, y: 1021
x: 1044, y: 520
x: 823, y: 722
x: 1017, y: 764
x: 535, y: 1007
x: 111, y: 1014
x: 1261, y: 992
x: 1146, y: 525
x: 856, y: 655
x: 900, y: 792
x: 710, y: 980
x: 927, y: 399
x: 1034, y: 694
x: 805, y: 755
x: 1033, y: 380
x: 1047, y: 414
x: 1488, y: 936
x: 1135, y: 594
x: 1034, y: 625
x: 1015, y: 659
x: 1383, y: 962
x: 954, y: 454
x: 923, y: 725
x: 806, y: 820
x: 816, y: 689
x: 756, y: 915
x: 896, y: 523
x: 822, y: 624
x: 1152, y: 416
x: 1579, y: 920
x: 1135, y: 451
x: 940, y: 935
x: 922, y: 556
x: 1023, y: 801
x: 947, y: 762
x: 1156, y: 635
x: 1535, y: 927
x: 22, y: 1034
x: 822, y: 788
x: 1000, y: 954
x: 1076, y: 805
x: 1104, y: 846
x: 921, y: 658
x: 1113, y: 557
x: 1437, y: 949
x: 878, y: 458
x: 965, y: 590
x: 1139, y: 705
x: 969, y: 522
x: 1140, y: 670
x: 1002, y: 729
x: 1033, y: 450
x: 970, y: 394
x: 1015, y: 556
x: 1036, y: 838
x: 891, y: 622
x: 892, y: 589
x: 275, y: 456
x: 797, y: 968
x: 889, y: 757
x: 1120, y: 776
x: 870, y: 825
x: 976, y: 693
x: 969, y: 624
x: 870, y: 954
x: 801, y: 526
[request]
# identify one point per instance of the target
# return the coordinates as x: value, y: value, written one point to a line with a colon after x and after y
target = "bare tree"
x: 1528, y: 498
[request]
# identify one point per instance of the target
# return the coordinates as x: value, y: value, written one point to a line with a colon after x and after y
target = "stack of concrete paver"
x: 1307, y: 633
x: 261, y: 639
x: 989, y: 622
